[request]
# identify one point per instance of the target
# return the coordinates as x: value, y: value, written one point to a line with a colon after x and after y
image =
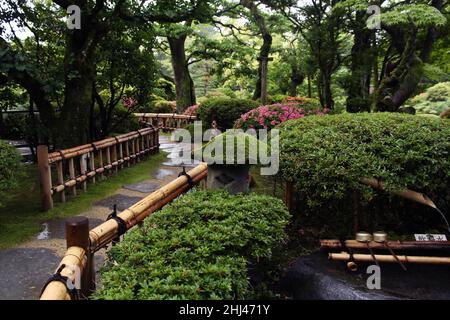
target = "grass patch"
x: 21, y: 215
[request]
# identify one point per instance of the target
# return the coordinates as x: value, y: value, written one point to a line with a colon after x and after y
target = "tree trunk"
x: 264, y: 51
x: 297, y: 78
x: 358, y: 99
x: 184, y: 86
x: 80, y: 66
x: 324, y: 88
x: 399, y: 84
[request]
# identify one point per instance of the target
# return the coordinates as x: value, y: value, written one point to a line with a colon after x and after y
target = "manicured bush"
x: 224, y: 110
x: 267, y: 117
x: 9, y: 168
x: 162, y: 106
x: 123, y: 121
x: 197, y: 247
x: 325, y: 157
x: 251, y: 146
x: 434, y: 100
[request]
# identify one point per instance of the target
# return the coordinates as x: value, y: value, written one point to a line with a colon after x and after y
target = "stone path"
x: 25, y: 268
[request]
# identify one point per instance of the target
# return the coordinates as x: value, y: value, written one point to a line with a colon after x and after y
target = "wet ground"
x: 316, y: 277
x: 25, y: 268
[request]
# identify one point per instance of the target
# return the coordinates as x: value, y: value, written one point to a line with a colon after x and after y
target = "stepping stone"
x: 123, y: 202
x: 144, y: 187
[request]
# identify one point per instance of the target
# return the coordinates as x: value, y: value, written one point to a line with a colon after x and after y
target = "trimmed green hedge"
x: 224, y: 110
x: 9, y: 168
x: 197, y: 247
x: 324, y: 157
x: 434, y: 100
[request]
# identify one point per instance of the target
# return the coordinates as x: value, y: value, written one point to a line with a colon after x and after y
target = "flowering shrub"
x: 192, y: 110
x: 267, y: 117
x: 128, y: 103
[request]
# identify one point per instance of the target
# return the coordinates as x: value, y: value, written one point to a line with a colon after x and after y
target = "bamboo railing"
x: 61, y: 172
x: 83, y: 244
x: 166, y: 121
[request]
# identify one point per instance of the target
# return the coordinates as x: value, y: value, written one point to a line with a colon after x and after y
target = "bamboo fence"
x: 166, y: 121
x: 82, y: 245
x: 61, y: 172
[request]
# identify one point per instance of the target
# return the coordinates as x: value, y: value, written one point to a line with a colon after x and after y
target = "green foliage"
x: 162, y: 106
x: 123, y: 121
x: 434, y: 100
x: 325, y: 157
x: 224, y: 110
x: 246, y: 148
x: 197, y: 247
x: 10, y: 168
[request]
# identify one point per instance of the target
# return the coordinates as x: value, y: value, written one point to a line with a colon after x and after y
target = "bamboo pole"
x: 104, y: 233
x: 72, y: 177
x: 74, y: 261
x: 92, y: 165
x: 45, y: 177
x: 114, y: 156
x: 60, y: 179
x: 407, y: 194
x: 108, y: 158
x: 127, y: 152
x: 83, y: 171
x: 121, y: 155
x: 100, y: 162
x: 343, y: 256
x: 396, y: 245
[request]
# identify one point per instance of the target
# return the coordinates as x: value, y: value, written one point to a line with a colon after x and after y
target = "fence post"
x: 77, y: 235
x: 45, y: 176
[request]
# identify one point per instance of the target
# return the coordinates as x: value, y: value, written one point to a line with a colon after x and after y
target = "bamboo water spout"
x: 344, y: 256
x: 407, y: 194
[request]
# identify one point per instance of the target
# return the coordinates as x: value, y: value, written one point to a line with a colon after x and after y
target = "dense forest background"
x: 166, y: 55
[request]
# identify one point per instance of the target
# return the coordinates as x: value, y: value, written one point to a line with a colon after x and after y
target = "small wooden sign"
x: 430, y: 237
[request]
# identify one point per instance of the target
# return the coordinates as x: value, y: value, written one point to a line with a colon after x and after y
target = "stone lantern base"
x: 233, y: 178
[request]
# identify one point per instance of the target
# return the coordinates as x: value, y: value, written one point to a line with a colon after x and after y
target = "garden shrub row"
x: 198, y: 247
x: 324, y: 158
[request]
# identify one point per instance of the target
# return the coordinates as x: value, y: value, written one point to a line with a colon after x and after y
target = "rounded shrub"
x: 224, y: 110
x: 325, y: 158
x: 9, y: 168
x: 123, y: 121
x: 162, y: 106
x: 198, y: 247
x: 434, y: 100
